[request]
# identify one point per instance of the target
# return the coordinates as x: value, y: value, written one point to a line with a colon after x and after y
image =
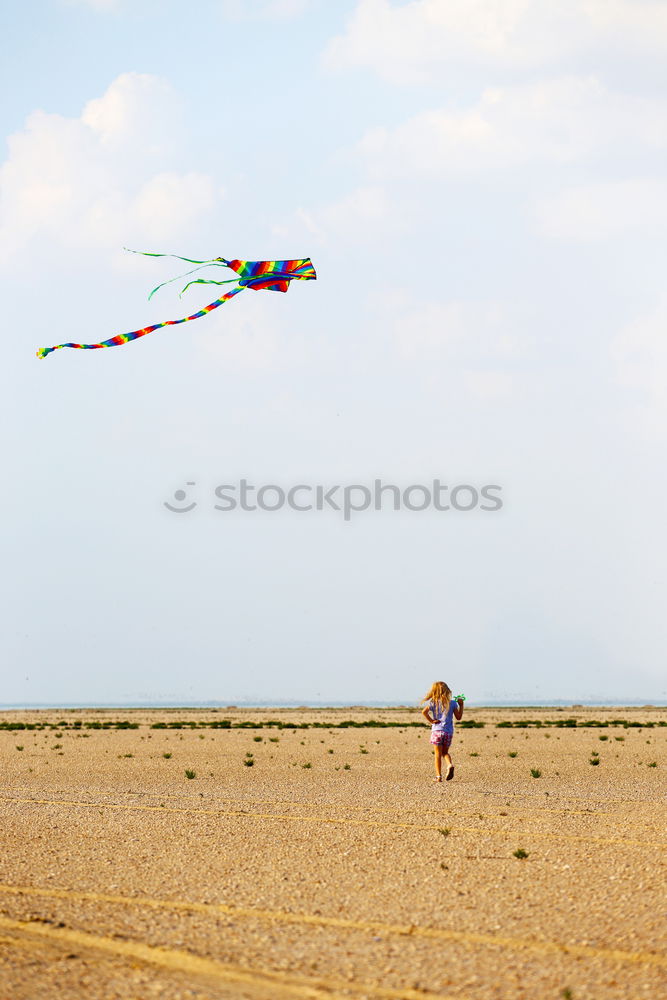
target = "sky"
x: 481, y: 187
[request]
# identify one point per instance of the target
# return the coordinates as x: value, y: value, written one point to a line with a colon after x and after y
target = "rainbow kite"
x: 270, y: 275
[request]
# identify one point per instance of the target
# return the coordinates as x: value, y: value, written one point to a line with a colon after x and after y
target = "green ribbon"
x: 216, y: 262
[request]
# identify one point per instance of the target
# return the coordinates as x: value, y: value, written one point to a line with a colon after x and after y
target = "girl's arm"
x: 427, y: 716
x: 458, y: 711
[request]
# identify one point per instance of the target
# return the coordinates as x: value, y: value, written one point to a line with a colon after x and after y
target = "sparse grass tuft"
x: 653, y: 763
x: 249, y: 762
x: 274, y: 739
x: 444, y: 830
x: 307, y: 765
x: 190, y: 774
x: 258, y: 739
x: 347, y: 767
x: 603, y: 738
x: 363, y: 750
x: 535, y: 772
x: 329, y: 751
x: 512, y: 753
x: 567, y: 993
x: 474, y: 755
x: 19, y: 748
x: 520, y: 853
x: 594, y: 761
x: 166, y: 756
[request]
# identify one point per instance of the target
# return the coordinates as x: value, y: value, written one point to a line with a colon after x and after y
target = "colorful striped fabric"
x: 260, y: 275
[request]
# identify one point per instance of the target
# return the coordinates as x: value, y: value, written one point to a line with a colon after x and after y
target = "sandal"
x: 438, y: 777
x: 450, y: 773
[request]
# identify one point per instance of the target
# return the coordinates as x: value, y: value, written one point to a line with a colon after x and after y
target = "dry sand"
x: 123, y: 878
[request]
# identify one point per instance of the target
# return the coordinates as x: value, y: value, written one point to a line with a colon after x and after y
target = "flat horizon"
x: 136, y: 705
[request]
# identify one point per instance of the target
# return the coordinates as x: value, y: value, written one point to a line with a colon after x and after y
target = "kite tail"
x: 125, y: 338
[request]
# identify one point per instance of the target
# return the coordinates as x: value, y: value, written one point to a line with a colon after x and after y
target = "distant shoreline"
x: 301, y: 706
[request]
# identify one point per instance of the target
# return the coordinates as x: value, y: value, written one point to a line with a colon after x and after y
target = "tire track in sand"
x: 329, y: 820
x: 347, y: 806
x: 266, y: 982
x: 465, y: 938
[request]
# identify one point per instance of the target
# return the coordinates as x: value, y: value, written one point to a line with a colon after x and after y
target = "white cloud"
x: 556, y: 121
x: 137, y: 107
x: 362, y: 212
x: 405, y: 43
x: 605, y: 210
x: 453, y: 348
x: 639, y: 354
x: 369, y: 215
x: 168, y: 202
x: 463, y: 332
x: 490, y: 386
x: 102, y: 178
x: 243, y: 336
x: 643, y: 21
x: 253, y: 333
x: 423, y: 40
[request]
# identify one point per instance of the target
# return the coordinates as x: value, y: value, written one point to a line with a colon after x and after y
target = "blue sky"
x: 481, y: 188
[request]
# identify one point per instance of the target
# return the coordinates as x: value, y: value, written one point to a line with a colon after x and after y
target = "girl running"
x: 440, y: 710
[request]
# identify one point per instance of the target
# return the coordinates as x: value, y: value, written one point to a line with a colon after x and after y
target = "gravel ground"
x: 333, y: 866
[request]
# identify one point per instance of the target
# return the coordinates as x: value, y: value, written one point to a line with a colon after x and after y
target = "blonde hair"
x: 439, y: 693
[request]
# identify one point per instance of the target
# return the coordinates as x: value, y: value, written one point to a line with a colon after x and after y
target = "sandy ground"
x: 302, y: 877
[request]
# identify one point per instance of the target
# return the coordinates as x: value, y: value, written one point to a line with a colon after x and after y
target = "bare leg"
x: 437, y: 750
